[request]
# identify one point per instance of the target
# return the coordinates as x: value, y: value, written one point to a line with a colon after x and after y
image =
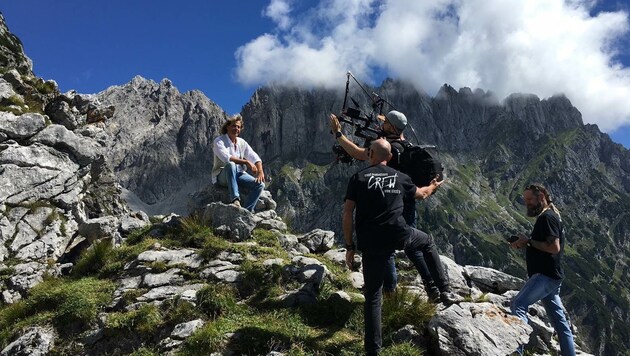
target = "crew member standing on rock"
x: 233, y: 156
x: 545, y: 247
x: 393, y: 125
x: 377, y: 192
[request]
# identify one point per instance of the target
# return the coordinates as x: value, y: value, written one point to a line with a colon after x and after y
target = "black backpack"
x: 421, y: 163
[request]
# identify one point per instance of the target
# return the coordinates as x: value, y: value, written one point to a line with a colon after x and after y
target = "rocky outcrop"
x: 12, y: 54
x: 57, y: 195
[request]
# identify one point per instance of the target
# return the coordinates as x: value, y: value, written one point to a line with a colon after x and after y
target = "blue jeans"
x: 375, y: 265
x: 231, y: 178
x: 391, y: 278
x: 546, y: 289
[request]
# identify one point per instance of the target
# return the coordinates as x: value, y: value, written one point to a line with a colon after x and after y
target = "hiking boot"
x: 433, y: 294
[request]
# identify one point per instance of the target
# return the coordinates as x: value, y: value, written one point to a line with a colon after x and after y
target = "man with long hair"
x: 545, y: 247
x: 233, y: 157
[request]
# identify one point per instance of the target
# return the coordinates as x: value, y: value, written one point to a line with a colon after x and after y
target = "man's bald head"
x: 381, y: 150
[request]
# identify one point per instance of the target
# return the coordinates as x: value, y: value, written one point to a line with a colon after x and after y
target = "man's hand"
x: 335, y: 126
x: 251, y: 167
x: 436, y: 184
x: 521, y: 242
x: 260, y: 177
x: 349, y: 258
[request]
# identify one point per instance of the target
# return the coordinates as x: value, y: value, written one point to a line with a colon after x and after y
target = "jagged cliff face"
x: 491, y: 151
x: 11, y: 51
x: 160, y: 142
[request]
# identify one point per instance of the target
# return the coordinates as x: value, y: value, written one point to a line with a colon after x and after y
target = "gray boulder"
x: 491, y: 280
x: 35, y: 341
x: 455, y: 274
x: 318, y: 240
x: 95, y: 229
x: 477, y: 329
x: 229, y: 221
x: 83, y: 149
x: 21, y: 127
x: 60, y: 112
x: 170, y: 277
x: 171, y: 257
x: 184, y: 330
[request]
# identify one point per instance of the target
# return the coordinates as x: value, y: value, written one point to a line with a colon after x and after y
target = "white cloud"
x: 279, y: 11
x: 507, y: 46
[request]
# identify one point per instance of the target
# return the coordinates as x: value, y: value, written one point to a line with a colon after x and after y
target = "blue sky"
x: 228, y: 48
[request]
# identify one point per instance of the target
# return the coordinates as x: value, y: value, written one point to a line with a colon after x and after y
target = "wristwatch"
x: 338, y: 134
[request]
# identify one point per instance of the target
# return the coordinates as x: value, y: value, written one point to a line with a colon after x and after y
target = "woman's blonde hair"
x: 231, y: 121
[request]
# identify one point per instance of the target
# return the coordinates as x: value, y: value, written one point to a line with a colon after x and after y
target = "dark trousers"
x: 391, y: 278
x: 375, y: 266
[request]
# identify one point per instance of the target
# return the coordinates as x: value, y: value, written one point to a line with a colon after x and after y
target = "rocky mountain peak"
x: 12, y: 52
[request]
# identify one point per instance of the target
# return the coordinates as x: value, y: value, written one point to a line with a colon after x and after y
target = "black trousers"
x: 375, y: 264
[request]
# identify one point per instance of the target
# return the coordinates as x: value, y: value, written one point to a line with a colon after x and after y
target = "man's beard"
x: 534, y: 210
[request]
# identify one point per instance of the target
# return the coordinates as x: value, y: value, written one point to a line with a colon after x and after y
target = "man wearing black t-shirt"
x: 393, y: 125
x: 377, y: 193
x: 545, y: 247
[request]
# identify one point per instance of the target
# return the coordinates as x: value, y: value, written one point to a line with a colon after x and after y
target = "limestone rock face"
x: 35, y: 342
x: 477, y: 329
x: 11, y: 50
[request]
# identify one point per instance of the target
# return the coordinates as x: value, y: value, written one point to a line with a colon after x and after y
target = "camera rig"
x: 366, y: 126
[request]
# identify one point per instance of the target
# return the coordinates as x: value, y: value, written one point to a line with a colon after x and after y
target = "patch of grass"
x: 216, y: 300
x: 259, y: 282
x: 178, y: 311
x: 93, y: 259
x: 266, y: 238
x: 136, y: 236
x: 65, y: 302
x: 103, y: 260
x: 404, y: 349
x: 145, y: 320
x: 212, y: 247
x: 402, y: 308
x: 144, y: 352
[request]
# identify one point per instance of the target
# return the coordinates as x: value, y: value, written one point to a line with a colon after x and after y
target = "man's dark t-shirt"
x: 547, y: 224
x: 378, y: 192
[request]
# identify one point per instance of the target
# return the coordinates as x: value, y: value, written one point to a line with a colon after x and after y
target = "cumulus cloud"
x: 543, y: 47
x: 279, y: 11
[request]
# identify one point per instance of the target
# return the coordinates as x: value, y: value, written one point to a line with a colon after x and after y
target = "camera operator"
x: 392, y: 127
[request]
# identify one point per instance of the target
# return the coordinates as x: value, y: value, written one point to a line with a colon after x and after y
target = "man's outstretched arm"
x: 353, y: 150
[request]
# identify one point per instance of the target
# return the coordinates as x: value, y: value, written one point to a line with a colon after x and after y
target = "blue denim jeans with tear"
x: 547, y: 290
x: 231, y: 178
